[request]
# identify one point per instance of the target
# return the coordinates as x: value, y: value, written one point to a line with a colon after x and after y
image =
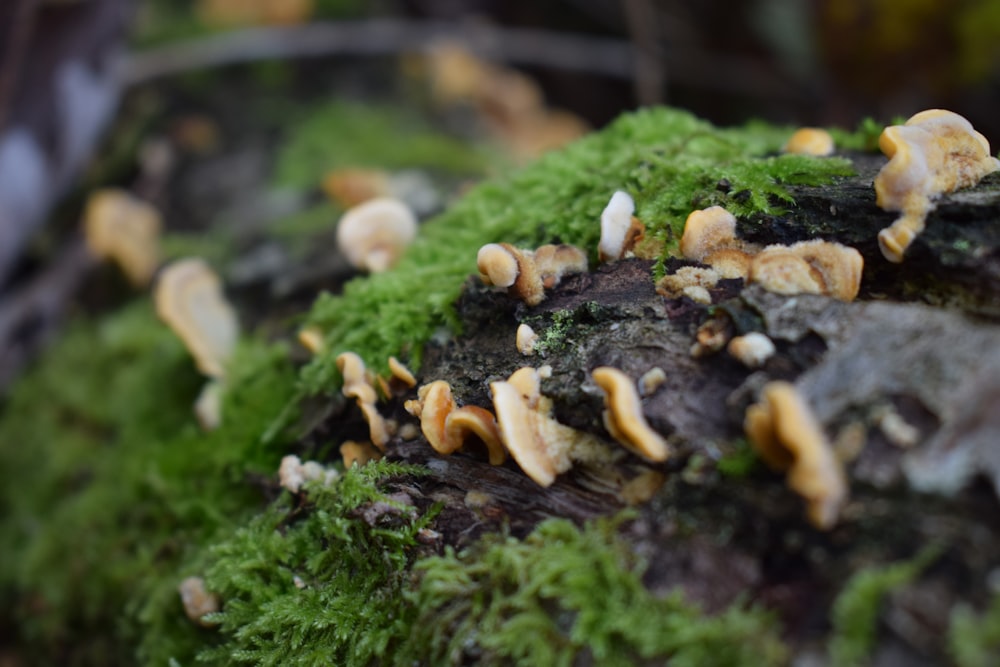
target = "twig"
x: 609, y: 57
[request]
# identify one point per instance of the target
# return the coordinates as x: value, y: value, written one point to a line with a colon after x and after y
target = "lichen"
x: 670, y: 163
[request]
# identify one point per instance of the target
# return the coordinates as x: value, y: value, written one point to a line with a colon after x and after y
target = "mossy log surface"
x: 723, y: 536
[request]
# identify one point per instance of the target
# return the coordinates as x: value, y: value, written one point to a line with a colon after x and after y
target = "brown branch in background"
x: 17, y: 31
x: 524, y: 46
x: 650, y: 71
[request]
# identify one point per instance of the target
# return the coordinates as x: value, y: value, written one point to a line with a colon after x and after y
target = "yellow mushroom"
x: 525, y: 339
x: 352, y: 186
x: 809, y: 267
x: 189, y: 299
x: 555, y: 261
x: 707, y: 230
x: 690, y: 281
x: 401, y: 373
x: 623, y: 416
x: 785, y: 433
x: 358, y: 385
x: 121, y: 227
x: 472, y: 420
x: 620, y: 229
x: 542, y: 447
x: 373, y: 235
x: 527, y: 274
x: 358, y: 453
x: 448, y: 427
x: 198, y: 602
x: 933, y: 153
x: 810, y: 141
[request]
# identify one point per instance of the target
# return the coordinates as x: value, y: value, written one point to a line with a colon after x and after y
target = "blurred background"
x: 233, y: 114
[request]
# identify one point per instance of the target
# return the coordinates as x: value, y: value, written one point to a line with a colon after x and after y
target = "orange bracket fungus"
x: 189, y: 299
x: 358, y: 385
x: 358, y: 453
x: 126, y: 229
x: 448, y: 427
x: 785, y: 433
x: 374, y: 234
x: 620, y: 229
x: 810, y: 141
x: 933, y: 153
x: 527, y: 274
x: 401, y: 373
x: 706, y: 230
x: 542, y: 447
x: 623, y: 415
x: 809, y: 267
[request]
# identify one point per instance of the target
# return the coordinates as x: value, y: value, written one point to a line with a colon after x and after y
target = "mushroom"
x: 527, y: 274
x: 810, y: 141
x: 293, y: 473
x: 311, y: 338
x: 525, y: 339
x: 809, y: 267
x: 620, y: 229
x: 785, y: 433
x: 198, y: 602
x: 555, y: 261
x: 189, y: 299
x: 934, y: 152
x: 121, y: 227
x: 542, y: 447
x: 374, y: 234
x: 707, y: 230
x: 780, y: 270
x: 448, y: 427
x: 752, y: 349
x: 208, y: 405
x: 352, y: 186
x: 623, y: 415
x: 401, y: 373
x: 358, y: 453
x: 690, y: 281
x: 358, y: 385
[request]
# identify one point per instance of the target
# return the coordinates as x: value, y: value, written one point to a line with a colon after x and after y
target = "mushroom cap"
x: 751, y: 349
x: 197, y: 601
x: 810, y: 141
x: 357, y: 384
x: 401, y: 372
x: 352, y: 186
x: 781, y: 270
x: 729, y: 262
x: 189, y: 299
x: 555, y: 261
x: 358, y: 453
x: 839, y: 267
x: 787, y: 436
x: 517, y: 425
x: 525, y: 339
x: 677, y: 284
x: 126, y: 229
x: 374, y: 234
x: 436, y: 403
x: 497, y: 265
x: 624, y: 418
x: 706, y: 230
x: 616, y: 223
x: 479, y: 422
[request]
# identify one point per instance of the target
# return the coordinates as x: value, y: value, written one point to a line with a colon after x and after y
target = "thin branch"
x: 603, y: 56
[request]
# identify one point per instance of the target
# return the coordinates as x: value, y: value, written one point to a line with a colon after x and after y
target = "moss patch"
x: 668, y: 160
x: 974, y: 640
x: 108, y: 483
x: 568, y: 596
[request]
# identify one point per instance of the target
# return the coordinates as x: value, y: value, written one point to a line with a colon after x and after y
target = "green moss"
x: 564, y: 596
x: 855, y: 612
x: 107, y: 483
x: 319, y: 586
x: 739, y: 460
x: 342, y: 134
x: 668, y: 160
x: 974, y: 640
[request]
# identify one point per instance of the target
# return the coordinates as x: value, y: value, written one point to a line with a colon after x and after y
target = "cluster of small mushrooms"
x: 934, y: 152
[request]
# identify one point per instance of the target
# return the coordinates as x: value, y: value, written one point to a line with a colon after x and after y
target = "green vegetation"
x: 668, y: 160
x: 565, y: 595
x: 108, y: 483
x: 974, y: 640
x: 855, y: 612
x: 342, y: 134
